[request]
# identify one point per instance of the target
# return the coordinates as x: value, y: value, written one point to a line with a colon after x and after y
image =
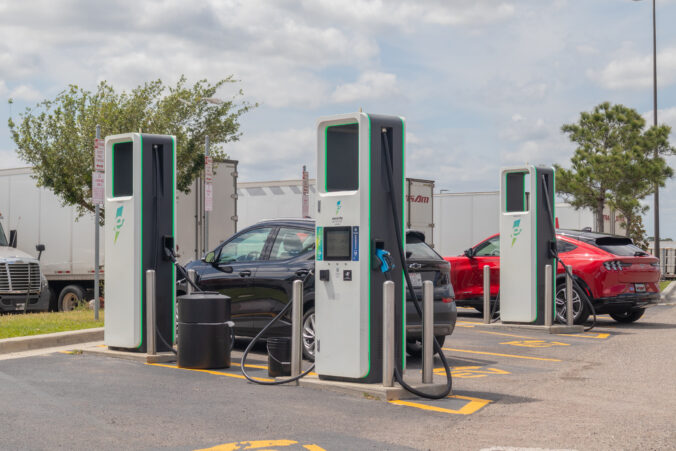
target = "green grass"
x: 21, y: 325
x: 664, y: 284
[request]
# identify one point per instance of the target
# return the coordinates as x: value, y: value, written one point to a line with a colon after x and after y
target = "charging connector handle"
x: 386, y: 263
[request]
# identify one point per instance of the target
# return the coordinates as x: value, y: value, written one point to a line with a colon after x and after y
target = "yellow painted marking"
x: 501, y: 355
x: 468, y: 322
x: 468, y: 372
x: 600, y: 336
x: 472, y: 406
x: 463, y: 325
x: 260, y: 367
x: 266, y: 445
x: 535, y: 343
x: 217, y: 373
x: 503, y: 334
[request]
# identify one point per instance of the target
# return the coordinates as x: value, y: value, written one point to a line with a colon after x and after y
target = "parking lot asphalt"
x: 611, y: 388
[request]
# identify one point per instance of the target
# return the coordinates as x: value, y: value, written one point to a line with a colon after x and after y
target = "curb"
x: 19, y: 344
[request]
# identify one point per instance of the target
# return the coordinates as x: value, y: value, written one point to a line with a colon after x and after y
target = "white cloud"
x: 26, y: 93
x: 636, y: 72
x: 3, y: 87
x: 370, y: 85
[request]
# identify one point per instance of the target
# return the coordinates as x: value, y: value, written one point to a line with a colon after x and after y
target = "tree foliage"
x: 614, y: 163
x: 56, y: 137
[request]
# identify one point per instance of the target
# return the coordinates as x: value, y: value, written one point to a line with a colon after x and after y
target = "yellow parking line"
x: 217, y: 373
x: 472, y: 406
x: 468, y: 322
x: 501, y: 355
x: 599, y: 335
x: 504, y: 335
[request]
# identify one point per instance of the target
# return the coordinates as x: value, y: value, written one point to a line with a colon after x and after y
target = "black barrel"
x: 279, y: 356
x: 203, y: 335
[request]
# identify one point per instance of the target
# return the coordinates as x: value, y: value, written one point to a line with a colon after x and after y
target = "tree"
x: 57, y: 136
x: 613, y: 163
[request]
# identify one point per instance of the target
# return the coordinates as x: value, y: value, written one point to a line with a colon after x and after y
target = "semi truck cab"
x: 23, y: 287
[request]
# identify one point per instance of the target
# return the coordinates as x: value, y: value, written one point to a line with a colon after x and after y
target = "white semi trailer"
x: 464, y: 219
x: 67, y: 263
x: 284, y: 199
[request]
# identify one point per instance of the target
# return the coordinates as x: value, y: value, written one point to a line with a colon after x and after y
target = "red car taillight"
x: 447, y: 300
x: 616, y: 265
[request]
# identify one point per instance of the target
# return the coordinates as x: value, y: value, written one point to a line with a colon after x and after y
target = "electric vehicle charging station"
x: 526, y: 237
x: 354, y: 227
x: 140, y: 225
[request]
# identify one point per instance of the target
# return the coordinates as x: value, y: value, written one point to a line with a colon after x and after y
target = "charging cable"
x: 400, y: 246
x: 242, y: 363
x: 555, y: 253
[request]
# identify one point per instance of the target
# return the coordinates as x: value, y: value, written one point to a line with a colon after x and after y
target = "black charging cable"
x: 242, y: 362
x: 555, y: 253
x: 400, y: 246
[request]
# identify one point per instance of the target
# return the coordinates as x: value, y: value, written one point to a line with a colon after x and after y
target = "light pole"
x: 656, y: 154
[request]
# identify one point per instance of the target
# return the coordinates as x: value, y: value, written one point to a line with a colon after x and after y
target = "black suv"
x: 257, y: 266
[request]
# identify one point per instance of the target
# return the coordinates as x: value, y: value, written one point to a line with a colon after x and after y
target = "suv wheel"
x: 580, y: 309
x: 309, y: 334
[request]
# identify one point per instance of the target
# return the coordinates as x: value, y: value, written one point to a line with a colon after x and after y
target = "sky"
x: 482, y: 84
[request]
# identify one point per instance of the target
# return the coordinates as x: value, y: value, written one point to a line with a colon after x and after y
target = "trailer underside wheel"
x: 71, y: 296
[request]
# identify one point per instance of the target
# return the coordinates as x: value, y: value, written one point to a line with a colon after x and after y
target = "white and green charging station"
x: 526, y: 234
x: 354, y: 220
x: 140, y: 222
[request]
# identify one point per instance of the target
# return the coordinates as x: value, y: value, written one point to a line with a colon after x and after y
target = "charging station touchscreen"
x: 338, y: 243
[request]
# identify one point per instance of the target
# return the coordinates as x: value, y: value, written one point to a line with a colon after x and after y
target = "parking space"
x: 526, y: 376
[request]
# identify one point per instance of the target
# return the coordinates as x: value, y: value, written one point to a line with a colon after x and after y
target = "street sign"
x: 208, y: 169
x: 208, y: 197
x: 98, y: 187
x: 99, y: 155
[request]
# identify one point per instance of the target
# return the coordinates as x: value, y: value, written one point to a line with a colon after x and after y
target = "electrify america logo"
x: 119, y: 222
x: 337, y: 219
x: 337, y: 208
x: 516, y: 230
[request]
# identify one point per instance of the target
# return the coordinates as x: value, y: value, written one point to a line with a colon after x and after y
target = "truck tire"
x: 70, y: 297
x: 628, y: 316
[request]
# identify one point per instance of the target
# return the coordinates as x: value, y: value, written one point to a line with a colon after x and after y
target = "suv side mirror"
x: 40, y: 248
x: 13, y: 238
x: 210, y: 257
x: 469, y: 253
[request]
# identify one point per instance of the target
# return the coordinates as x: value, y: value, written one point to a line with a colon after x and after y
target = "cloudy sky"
x: 482, y: 83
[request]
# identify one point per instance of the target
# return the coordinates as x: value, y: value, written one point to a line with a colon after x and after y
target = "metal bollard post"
x: 487, y: 294
x: 548, y: 295
x: 296, y: 327
x: 151, y: 349
x: 428, y: 332
x: 191, y: 275
x: 388, y: 333
x: 570, y: 314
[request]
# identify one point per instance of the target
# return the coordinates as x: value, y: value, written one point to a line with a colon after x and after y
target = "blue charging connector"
x: 386, y: 263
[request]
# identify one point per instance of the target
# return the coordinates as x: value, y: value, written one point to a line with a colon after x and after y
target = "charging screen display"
x: 342, y: 158
x: 337, y: 244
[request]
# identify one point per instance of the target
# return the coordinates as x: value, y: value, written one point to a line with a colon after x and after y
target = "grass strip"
x: 22, y: 325
x: 664, y: 284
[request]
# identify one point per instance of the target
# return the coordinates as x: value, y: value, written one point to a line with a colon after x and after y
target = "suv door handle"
x: 245, y: 273
x: 302, y: 272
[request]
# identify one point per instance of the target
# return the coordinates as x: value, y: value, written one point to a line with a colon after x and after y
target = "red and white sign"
x: 208, y: 197
x: 418, y: 199
x: 208, y: 169
x: 99, y: 155
x: 98, y: 187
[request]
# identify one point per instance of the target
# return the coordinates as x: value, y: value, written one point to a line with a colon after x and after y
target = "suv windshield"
x: 622, y: 247
x: 3, y: 239
x: 418, y: 250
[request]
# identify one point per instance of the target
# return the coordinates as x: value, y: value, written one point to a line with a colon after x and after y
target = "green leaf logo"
x: 119, y: 222
x: 516, y: 230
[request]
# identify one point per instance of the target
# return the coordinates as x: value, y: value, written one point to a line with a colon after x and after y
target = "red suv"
x: 617, y: 277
